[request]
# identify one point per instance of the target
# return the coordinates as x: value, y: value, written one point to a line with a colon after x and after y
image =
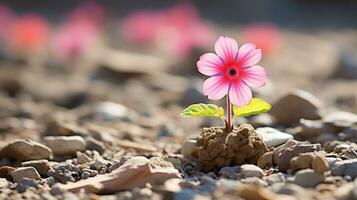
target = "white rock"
x: 308, y: 178
x: 65, y: 145
x: 273, y: 137
x: 249, y: 170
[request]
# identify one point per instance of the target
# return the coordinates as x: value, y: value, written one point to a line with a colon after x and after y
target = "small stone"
x: 254, y: 181
x: 26, y: 183
x: 289, y: 109
x: 308, y: 178
x: 67, y: 173
x: 23, y: 150
x: 284, y: 153
x: 110, y: 111
x: 85, y: 175
x: 275, y: 178
x: 42, y: 166
x: 341, y: 119
x: 345, y: 168
x: 65, y: 145
x: 5, y: 172
x: 25, y: 172
x: 82, y: 158
x: 272, y: 137
x: 93, y: 144
x: 312, y: 160
x: 189, y: 149
x: 3, y: 183
x: 264, y: 119
x: 100, y: 165
x: 249, y: 170
x: 266, y: 160
x: 230, y: 172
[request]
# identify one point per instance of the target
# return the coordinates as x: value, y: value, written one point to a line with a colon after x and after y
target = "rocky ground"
x: 111, y: 130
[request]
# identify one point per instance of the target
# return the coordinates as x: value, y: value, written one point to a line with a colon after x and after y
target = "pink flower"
x: 72, y: 40
x: 266, y: 36
x: 177, y: 30
x: 28, y: 33
x: 232, y: 71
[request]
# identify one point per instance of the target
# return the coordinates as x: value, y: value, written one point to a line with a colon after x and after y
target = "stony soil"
x: 108, y: 130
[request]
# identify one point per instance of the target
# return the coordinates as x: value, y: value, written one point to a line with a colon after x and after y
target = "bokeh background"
x: 141, y: 54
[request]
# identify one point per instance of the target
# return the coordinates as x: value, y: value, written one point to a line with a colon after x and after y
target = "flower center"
x: 232, y: 72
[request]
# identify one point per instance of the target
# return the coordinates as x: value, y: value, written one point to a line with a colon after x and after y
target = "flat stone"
x: 65, y: 145
x: 42, y: 166
x: 23, y: 150
x: 345, y: 168
x: 298, y: 104
x: 25, y: 172
x: 249, y: 170
x: 308, y: 178
x: 341, y: 119
x: 273, y: 137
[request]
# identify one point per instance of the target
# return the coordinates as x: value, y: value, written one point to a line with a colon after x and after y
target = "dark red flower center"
x: 232, y: 72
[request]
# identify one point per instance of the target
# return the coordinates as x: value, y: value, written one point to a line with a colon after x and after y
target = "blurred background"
x: 136, y: 60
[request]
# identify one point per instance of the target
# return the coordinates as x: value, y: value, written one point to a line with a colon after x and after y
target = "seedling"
x: 232, y: 72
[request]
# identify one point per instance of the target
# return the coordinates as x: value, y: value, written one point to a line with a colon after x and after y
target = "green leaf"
x: 256, y: 106
x: 201, y: 109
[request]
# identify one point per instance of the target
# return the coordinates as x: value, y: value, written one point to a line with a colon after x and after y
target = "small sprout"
x: 255, y: 107
x: 232, y: 72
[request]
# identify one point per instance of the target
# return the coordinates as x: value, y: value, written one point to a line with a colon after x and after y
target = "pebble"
x: 345, y: 168
x: 82, y: 158
x: 93, y: 144
x: 5, y: 172
x: 66, y: 173
x: 230, y: 172
x: 292, y: 107
x: 42, y: 166
x: 85, y: 175
x: 188, y: 149
x: 273, y: 137
x: 275, y: 178
x: 110, y: 111
x: 23, y: 150
x: 292, y: 148
x: 65, y: 145
x: 311, y: 160
x: 249, y: 170
x: 24, y: 172
x: 341, y: 119
x: 100, y: 165
x: 26, y: 183
x: 266, y: 160
x: 308, y: 178
x: 3, y: 183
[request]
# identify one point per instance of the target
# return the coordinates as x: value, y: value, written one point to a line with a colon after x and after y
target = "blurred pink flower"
x: 89, y: 12
x: 6, y: 17
x: 232, y: 71
x: 28, y: 33
x: 266, y: 36
x: 73, y: 40
x: 178, y: 29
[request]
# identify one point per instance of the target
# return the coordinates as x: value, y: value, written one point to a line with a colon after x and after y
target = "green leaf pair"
x: 256, y: 106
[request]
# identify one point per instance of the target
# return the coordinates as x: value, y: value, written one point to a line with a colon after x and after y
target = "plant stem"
x: 229, y: 113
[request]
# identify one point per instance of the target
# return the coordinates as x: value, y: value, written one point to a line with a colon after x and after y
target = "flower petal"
x: 254, y: 76
x: 227, y: 49
x: 209, y: 64
x: 240, y: 94
x: 249, y: 55
x: 215, y: 87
